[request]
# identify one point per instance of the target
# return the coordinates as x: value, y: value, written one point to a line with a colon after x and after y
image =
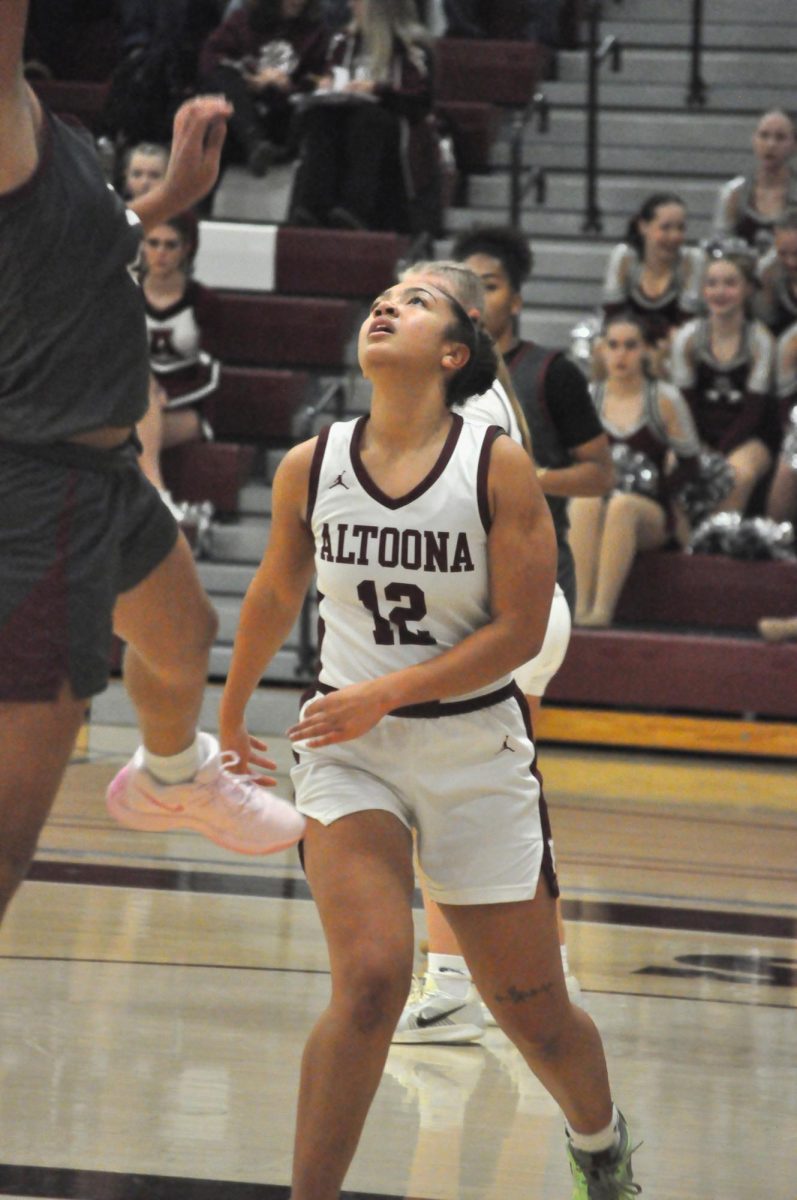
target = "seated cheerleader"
x: 749, y: 205
x: 182, y: 319
x: 723, y: 364
x: 775, y: 302
x: 646, y: 421
x: 782, y: 498
x: 654, y: 274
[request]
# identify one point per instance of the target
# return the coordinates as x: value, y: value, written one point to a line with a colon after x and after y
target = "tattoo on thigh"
x: 516, y: 995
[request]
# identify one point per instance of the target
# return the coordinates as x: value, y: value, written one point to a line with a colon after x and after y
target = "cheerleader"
x: 652, y: 273
x: 724, y: 363
x: 748, y: 206
x: 646, y: 420
x: 182, y: 323
x: 775, y: 303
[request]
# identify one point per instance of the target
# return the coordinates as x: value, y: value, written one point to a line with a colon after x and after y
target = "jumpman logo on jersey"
x: 338, y: 482
x: 506, y: 745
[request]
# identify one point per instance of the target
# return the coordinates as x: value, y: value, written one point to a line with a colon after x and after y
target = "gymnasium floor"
x: 155, y: 993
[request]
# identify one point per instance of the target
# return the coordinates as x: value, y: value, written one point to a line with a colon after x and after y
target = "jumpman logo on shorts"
x: 506, y: 745
x: 338, y: 482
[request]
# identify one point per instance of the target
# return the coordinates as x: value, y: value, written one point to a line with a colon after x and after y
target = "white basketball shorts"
x: 466, y: 785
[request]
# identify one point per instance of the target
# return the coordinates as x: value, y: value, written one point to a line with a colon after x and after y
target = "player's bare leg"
x: 360, y: 872
x: 39, y: 737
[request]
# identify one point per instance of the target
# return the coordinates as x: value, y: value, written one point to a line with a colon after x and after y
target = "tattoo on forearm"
x: 515, y: 995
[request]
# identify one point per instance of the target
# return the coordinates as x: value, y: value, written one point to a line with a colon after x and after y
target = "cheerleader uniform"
x: 622, y: 289
x: 731, y: 402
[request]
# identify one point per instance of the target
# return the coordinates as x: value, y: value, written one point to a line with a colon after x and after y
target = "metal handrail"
x: 698, y: 92
x: 597, y: 53
x: 535, y: 176
x: 334, y: 393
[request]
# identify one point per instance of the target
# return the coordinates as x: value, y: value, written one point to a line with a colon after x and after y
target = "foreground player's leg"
x: 513, y: 952
x: 178, y: 779
x: 37, y: 738
x: 360, y: 872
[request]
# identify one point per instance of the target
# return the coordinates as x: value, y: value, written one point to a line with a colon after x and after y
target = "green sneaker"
x: 604, y: 1176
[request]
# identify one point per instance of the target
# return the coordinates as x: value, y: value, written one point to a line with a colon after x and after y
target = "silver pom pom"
x: 789, y: 448
x: 714, y: 482
x: 753, y: 539
x: 634, y: 472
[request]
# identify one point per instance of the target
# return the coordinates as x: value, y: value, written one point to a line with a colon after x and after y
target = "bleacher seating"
x: 473, y: 79
x: 706, y: 591
x: 258, y: 404
x: 75, y: 98
x: 678, y: 672
x: 214, y: 471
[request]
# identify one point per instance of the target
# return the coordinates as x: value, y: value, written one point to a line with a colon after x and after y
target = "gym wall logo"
x: 758, y: 969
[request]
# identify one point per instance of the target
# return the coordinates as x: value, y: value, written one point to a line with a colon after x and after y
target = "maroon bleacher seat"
x: 268, y: 330
x: 621, y: 668
x: 257, y: 403
x: 325, y: 262
x: 473, y: 128
x: 493, y: 72
x: 213, y: 471
x: 84, y: 101
x: 706, y: 591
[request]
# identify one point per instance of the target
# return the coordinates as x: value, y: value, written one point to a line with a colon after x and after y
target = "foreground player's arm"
x: 522, y: 563
x: 272, y: 602
x: 200, y: 127
x: 19, y: 110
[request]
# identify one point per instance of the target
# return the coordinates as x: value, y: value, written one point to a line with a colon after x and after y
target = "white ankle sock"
x: 451, y: 974
x: 604, y: 1139
x: 175, y: 768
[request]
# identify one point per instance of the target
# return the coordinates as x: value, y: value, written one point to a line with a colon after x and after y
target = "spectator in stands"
x: 260, y: 57
x: 182, y: 325
x: 748, y: 205
x: 145, y: 165
x: 654, y: 274
x: 775, y: 302
x: 570, y: 447
x: 377, y: 90
x: 724, y: 365
x: 646, y: 420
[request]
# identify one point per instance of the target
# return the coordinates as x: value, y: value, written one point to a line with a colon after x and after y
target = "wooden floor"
x: 155, y: 993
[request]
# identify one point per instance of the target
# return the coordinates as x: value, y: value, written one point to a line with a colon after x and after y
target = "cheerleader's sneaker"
x: 232, y: 810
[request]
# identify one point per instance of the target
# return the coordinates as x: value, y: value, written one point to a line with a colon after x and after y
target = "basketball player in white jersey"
x: 443, y: 1006
x: 435, y: 558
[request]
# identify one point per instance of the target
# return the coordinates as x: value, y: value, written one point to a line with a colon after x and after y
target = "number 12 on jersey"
x: 398, y: 618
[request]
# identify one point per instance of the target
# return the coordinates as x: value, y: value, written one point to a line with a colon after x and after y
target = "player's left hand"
x: 340, y: 716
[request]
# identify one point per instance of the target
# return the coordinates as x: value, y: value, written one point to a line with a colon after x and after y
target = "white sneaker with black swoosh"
x: 430, y: 1015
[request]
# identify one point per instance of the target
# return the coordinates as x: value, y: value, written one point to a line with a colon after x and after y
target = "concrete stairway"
x: 649, y: 139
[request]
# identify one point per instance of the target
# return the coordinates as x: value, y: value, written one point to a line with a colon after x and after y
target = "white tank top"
x: 400, y: 581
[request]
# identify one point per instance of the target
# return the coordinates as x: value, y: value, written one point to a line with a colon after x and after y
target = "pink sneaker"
x: 231, y: 810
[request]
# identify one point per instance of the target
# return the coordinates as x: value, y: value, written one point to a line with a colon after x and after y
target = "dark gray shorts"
x: 78, y: 526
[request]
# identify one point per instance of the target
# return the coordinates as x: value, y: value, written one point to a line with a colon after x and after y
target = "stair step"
x: 671, y: 68
x: 616, y: 193
x: 542, y: 221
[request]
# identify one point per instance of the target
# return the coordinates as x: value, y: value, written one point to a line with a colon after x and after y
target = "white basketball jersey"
x: 400, y: 580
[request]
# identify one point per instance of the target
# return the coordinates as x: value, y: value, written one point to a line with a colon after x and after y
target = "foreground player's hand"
x: 340, y: 716
x: 251, y: 755
x: 200, y: 127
